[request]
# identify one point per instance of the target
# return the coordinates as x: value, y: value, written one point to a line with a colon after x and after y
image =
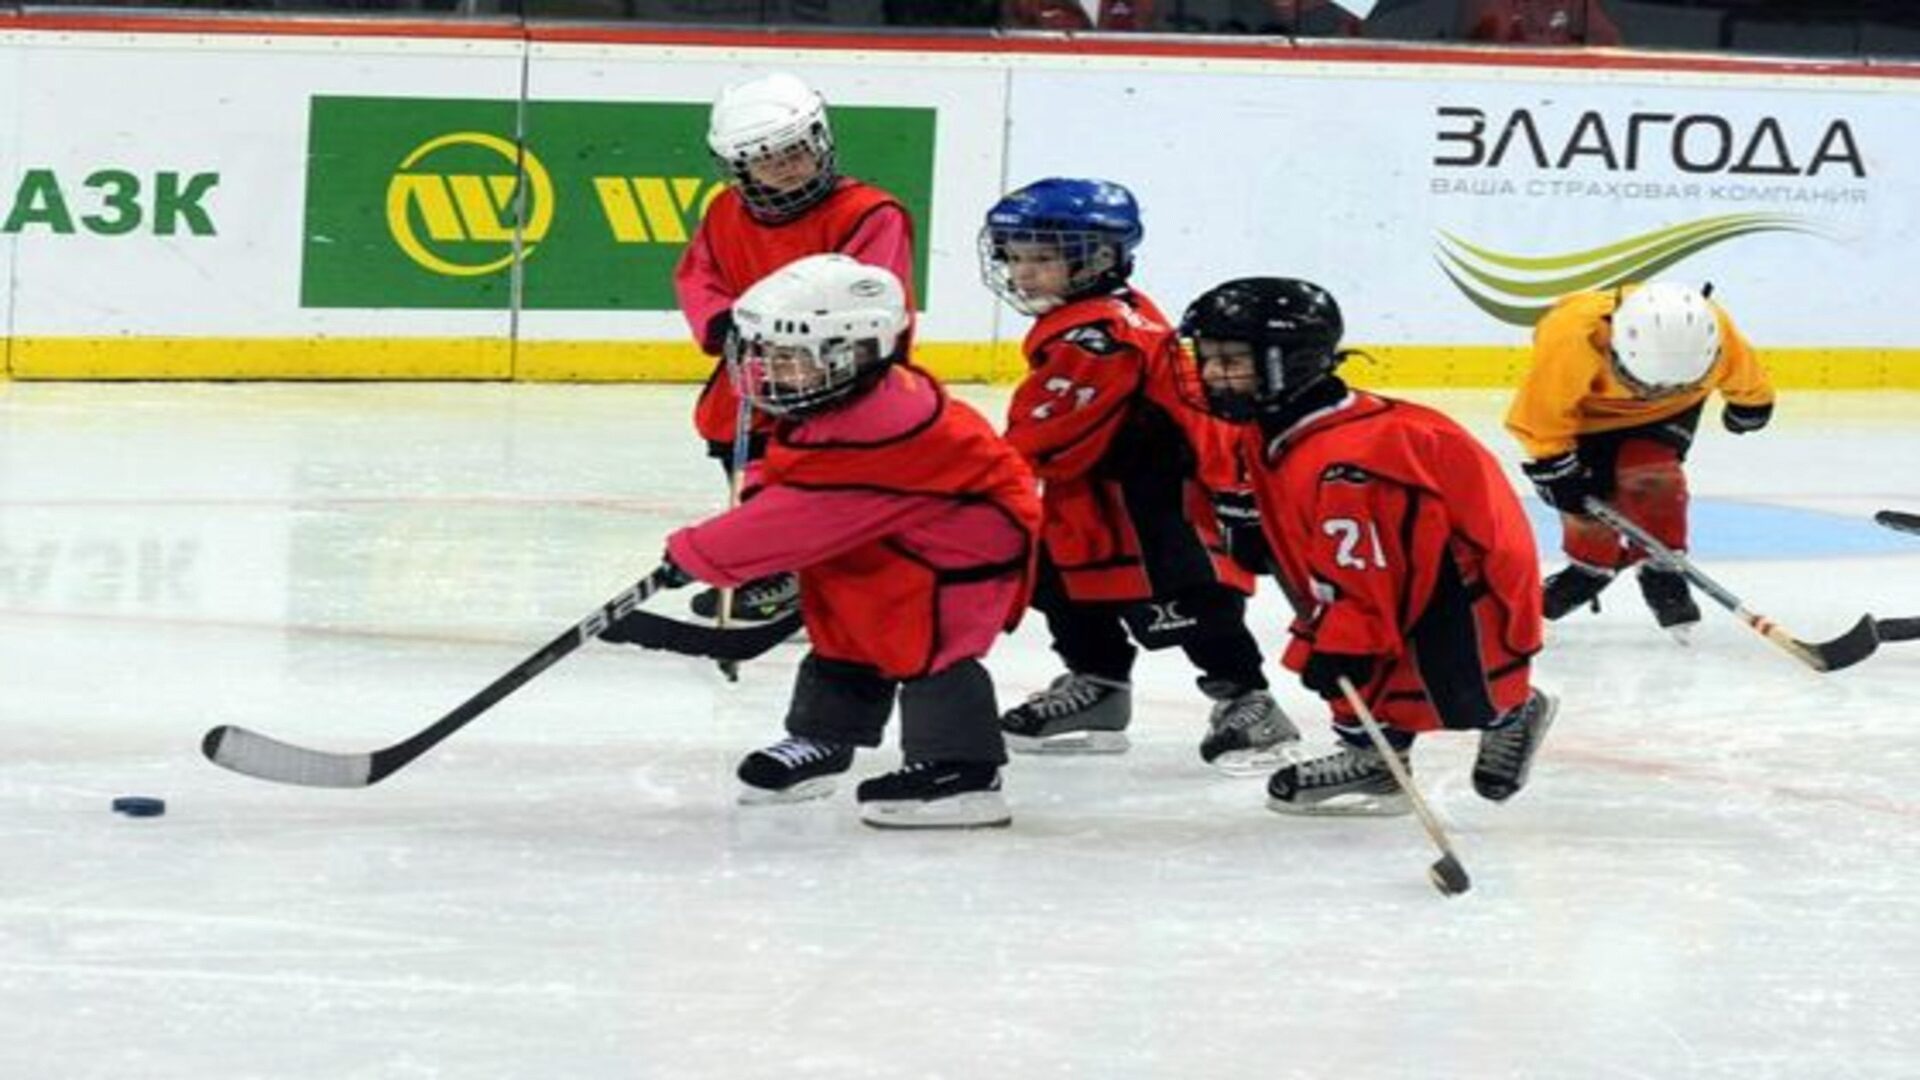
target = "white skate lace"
x: 1068, y: 695
x: 1342, y: 768
x: 771, y: 592
x: 794, y: 753
x: 1243, y: 713
x: 1507, y: 746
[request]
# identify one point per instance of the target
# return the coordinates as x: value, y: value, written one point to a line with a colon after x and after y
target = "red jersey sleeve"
x: 1064, y: 414
x: 701, y: 289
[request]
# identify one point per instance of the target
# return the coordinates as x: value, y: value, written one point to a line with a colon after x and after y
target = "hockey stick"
x: 736, y: 477
x: 1905, y: 628
x: 1844, y: 651
x: 249, y: 752
x: 1898, y: 521
x: 1446, y: 873
x: 727, y: 644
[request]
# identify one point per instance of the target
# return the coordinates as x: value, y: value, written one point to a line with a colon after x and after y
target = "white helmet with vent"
x: 1666, y: 337
x: 814, y: 332
x: 776, y: 120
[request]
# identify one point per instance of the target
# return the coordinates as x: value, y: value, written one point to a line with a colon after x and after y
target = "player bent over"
x: 771, y: 138
x: 1412, y: 569
x: 1130, y: 540
x: 1608, y: 410
x: 911, y: 526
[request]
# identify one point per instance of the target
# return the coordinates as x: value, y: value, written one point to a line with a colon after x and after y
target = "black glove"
x: 1741, y: 419
x: 1563, y: 481
x: 669, y: 574
x: 1240, y: 531
x: 1323, y: 671
x: 719, y: 329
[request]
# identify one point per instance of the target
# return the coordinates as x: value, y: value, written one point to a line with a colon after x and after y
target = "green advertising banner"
x: 413, y: 202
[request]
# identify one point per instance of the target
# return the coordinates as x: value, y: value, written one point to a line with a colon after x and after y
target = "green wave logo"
x: 1518, y: 289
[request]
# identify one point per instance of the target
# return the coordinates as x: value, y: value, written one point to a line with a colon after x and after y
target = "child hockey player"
x: 787, y: 199
x: 1411, y: 566
x: 911, y: 525
x: 1130, y: 540
x: 1609, y: 409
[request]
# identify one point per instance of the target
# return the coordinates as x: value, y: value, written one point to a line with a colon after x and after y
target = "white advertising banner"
x: 1449, y: 206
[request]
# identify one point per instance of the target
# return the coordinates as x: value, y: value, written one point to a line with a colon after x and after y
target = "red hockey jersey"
x: 1362, y: 503
x: 876, y: 604
x: 1126, y: 460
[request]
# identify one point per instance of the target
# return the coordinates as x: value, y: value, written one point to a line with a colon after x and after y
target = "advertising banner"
x: 425, y: 203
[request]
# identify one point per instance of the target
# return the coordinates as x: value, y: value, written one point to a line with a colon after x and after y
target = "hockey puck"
x: 139, y: 806
x: 1449, y: 876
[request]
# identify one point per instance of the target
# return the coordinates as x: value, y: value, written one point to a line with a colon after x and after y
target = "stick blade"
x: 1449, y: 876
x: 1846, y: 650
x: 1898, y: 521
x: 266, y: 758
x: 1905, y: 628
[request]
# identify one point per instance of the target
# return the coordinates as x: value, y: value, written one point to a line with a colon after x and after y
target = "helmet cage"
x: 1097, y: 262
x: 792, y: 378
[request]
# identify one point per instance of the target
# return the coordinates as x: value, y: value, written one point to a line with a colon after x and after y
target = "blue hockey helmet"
x: 1090, y: 226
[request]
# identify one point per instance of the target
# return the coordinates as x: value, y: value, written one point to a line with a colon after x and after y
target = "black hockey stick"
x: 1899, y: 521
x: 249, y: 752
x: 1844, y: 651
x: 724, y: 643
x: 1905, y: 628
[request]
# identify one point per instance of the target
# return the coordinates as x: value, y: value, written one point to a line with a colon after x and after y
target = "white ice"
x: 1715, y: 872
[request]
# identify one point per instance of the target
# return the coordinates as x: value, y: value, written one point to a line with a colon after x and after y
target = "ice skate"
x: 1506, y: 752
x: 1076, y: 714
x: 794, y: 769
x: 760, y: 600
x: 1351, y: 781
x: 935, y: 795
x: 1249, y: 735
x: 1577, y: 584
x: 1671, y: 601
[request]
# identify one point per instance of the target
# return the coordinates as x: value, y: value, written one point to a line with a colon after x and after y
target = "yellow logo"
x: 457, y: 209
x: 654, y: 209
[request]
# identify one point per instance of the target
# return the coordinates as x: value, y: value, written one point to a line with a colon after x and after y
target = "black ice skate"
x: 760, y: 600
x: 1671, y: 601
x: 1506, y: 752
x: 1076, y: 714
x: 1576, y: 585
x: 1248, y: 734
x: 792, y: 770
x: 1352, y: 781
x: 935, y: 795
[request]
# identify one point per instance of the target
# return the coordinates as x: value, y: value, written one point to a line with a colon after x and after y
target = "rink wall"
x: 235, y: 198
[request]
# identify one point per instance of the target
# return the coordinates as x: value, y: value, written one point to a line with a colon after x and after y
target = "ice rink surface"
x: 1714, y: 873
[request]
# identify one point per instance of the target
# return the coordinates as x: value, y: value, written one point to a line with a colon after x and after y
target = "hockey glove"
x: 1741, y: 419
x: 1240, y: 531
x: 1563, y: 481
x: 669, y: 574
x: 719, y: 330
x: 1323, y: 671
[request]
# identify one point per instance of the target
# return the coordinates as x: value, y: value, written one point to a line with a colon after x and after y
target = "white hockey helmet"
x: 814, y: 333
x: 1666, y: 337
x: 767, y: 119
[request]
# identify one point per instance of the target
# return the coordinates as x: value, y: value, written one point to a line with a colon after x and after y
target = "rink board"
x: 419, y: 201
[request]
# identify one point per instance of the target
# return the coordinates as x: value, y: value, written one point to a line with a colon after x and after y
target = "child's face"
x: 785, y: 170
x: 1037, y: 271
x: 1227, y: 367
x: 792, y: 370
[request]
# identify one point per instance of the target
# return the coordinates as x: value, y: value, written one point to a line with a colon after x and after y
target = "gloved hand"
x: 1563, y: 481
x: 1240, y: 531
x: 719, y: 329
x: 669, y: 574
x: 1741, y: 419
x: 1323, y: 671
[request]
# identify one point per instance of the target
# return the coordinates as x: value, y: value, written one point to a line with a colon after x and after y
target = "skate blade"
x: 1682, y: 632
x: 1263, y: 762
x: 1070, y: 742
x: 973, y: 810
x: 805, y: 791
x: 1346, y: 806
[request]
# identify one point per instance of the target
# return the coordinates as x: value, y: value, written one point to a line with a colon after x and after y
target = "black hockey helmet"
x: 1293, y: 328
